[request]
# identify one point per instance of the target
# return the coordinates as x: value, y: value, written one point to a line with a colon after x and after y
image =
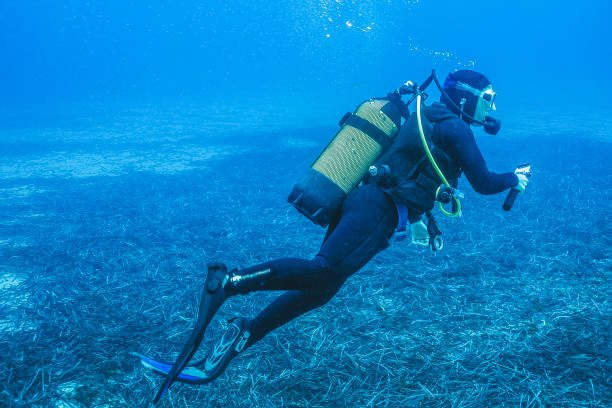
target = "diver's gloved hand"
x: 419, y: 233
x: 523, y: 180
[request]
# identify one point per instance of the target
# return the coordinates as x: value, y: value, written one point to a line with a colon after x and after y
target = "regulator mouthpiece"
x: 492, y: 125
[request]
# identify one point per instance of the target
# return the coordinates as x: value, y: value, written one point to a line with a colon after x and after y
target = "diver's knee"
x: 321, y: 264
x: 329, y: 279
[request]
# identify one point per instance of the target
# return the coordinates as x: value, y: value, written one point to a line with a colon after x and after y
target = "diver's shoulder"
x: 449, y: 123
x: 455, y: 128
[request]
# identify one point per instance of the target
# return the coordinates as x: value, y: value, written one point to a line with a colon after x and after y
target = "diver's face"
x: 485, y: 104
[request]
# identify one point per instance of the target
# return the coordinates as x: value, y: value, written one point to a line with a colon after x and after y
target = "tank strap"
x: 369, y: 129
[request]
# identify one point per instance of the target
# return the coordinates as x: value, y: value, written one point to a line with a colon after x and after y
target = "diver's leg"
x: 367, y: 221
x: 363, y: 231
x: 287, y: 307
x: 280, y: 274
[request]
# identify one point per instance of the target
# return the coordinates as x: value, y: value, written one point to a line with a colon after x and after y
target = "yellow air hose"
x: 435, y: 165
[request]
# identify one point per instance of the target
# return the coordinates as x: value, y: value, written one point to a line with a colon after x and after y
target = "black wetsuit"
x: 367, y: 220
x: 457, y: 139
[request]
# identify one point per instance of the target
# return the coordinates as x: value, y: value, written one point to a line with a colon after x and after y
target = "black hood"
x: 468, y: 77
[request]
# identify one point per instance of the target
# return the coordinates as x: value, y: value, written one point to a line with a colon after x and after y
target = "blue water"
x: 75, y: 54
x: 141, y: 139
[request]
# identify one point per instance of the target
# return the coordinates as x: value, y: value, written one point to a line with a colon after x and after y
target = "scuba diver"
x: 401, y: 186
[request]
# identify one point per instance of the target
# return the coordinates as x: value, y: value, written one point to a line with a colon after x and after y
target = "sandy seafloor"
x: 107, y: 222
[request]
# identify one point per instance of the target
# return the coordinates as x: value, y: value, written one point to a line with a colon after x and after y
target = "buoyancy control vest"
x: 412, y: 180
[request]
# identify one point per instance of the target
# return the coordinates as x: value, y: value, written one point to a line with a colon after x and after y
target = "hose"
x: 457, y: 213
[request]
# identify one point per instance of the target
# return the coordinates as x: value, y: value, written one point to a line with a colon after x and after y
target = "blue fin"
x: 190, y: 374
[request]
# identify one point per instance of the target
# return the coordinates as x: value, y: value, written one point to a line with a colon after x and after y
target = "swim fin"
x: 232, y: 343
x: 213, y: 296
x: 191, y: 374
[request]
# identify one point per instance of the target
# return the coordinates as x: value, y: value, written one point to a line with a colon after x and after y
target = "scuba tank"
x: 365, y: 135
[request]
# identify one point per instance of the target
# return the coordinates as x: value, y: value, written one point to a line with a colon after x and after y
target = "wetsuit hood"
x: 463, y: 87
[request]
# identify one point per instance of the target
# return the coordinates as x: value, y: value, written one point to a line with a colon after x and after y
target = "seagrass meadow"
x: 107, y: 224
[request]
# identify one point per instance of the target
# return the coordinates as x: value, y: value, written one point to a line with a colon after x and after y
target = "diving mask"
x: 484, y: 105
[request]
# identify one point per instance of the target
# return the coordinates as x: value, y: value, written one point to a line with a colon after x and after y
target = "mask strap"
x: 465, y: 87
x: 463, y: 101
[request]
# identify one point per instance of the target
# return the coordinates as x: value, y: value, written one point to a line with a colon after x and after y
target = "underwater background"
x: 141, y: 140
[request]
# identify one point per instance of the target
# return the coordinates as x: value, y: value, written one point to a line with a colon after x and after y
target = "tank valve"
x: 380, y: 171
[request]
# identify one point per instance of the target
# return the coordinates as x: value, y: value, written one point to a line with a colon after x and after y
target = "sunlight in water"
x: 338, y: 16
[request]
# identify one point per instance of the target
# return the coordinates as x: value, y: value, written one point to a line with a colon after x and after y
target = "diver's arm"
x: 464, y: 149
